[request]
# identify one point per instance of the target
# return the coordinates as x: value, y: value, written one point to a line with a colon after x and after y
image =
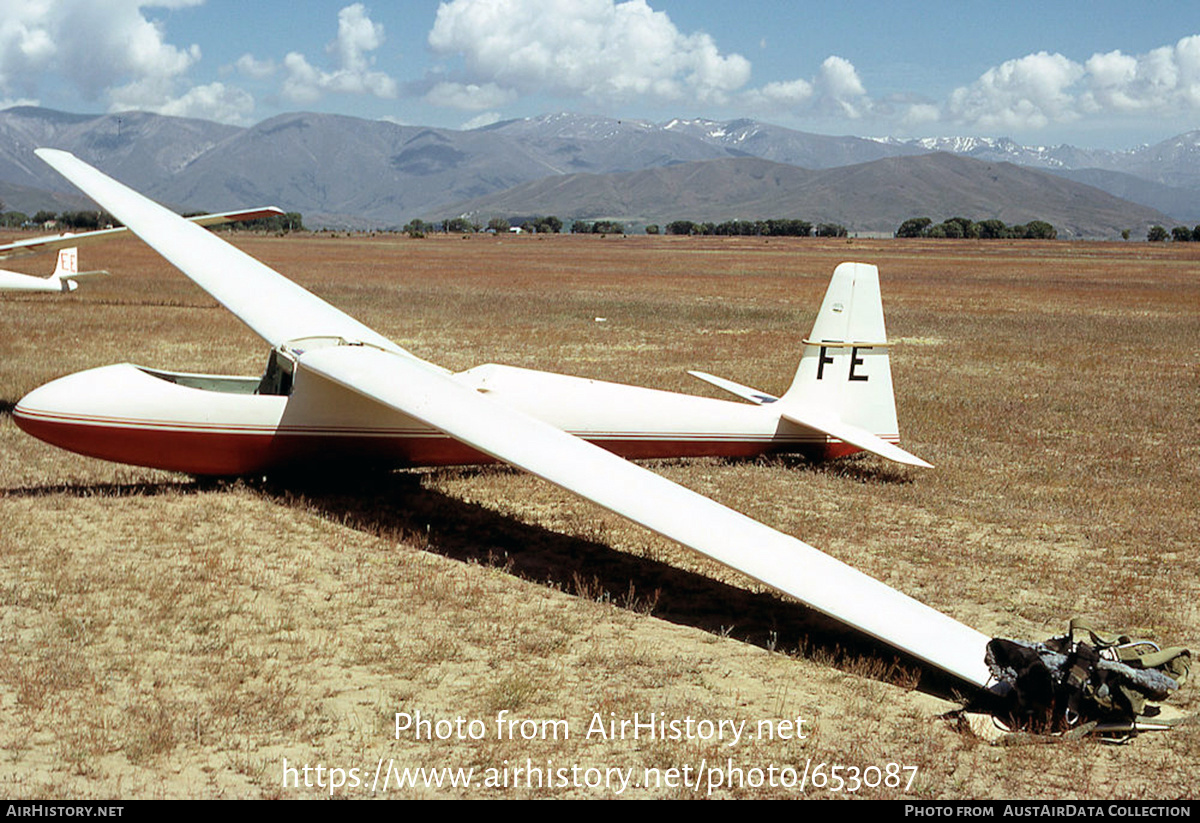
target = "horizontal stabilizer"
x: 68, y: 268
x: 855, y: 436
x: 744, y: 392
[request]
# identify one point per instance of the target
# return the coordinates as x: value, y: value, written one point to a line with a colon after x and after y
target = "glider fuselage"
x: 216, y: 425
x: 15, y: 281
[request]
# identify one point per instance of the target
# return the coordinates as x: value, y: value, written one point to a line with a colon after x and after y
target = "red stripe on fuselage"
x: 224, y: 452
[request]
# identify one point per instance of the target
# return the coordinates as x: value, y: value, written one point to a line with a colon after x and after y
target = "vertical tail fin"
x: 66, y: 269
x: 845, y: 369
x: 843, y: 387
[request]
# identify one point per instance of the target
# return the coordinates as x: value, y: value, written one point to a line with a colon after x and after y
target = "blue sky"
x: 1101, y: 74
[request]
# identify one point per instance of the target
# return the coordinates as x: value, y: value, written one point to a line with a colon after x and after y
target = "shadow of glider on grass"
x: 334, y: 390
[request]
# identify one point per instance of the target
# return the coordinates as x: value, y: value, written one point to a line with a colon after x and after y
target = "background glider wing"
x: 274, y: 307
x: 37, y: 245
x: 776, y: 559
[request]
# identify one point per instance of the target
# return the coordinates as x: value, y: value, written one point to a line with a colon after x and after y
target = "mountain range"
x: 348, y: 172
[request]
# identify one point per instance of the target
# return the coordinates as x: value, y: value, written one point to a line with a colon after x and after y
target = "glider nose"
x: 80, y: 412
x: 41, y: 412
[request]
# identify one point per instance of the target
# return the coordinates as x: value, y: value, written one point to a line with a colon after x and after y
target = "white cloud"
x: 1040, y: 89
x: 916, y: 115
x: 841, y: 89
x: 303, y: 82
x: 469, y: 96
x: 109, y: 51
x: 606, y: 51
x: 357, y: 36
x: 785, y: 94
x: 25, y: 45
x: 9, y: 102
x: 252, y: 67
x: 836, y: 89
x: 92, y: 46
x: 214, y: 101
x: 1028, y: 92
x: 1164, y: 80
x: 485, y: 119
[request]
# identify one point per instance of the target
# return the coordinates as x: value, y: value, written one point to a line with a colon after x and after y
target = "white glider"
x: 66, y: 272
x: 334, y: 390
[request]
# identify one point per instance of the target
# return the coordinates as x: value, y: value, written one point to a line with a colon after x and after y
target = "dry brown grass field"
x: 162, y: 637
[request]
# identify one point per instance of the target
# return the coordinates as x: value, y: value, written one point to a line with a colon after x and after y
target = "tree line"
x: 1179, y: 234
x: 553, y: 225
x: 498, y: 225
x: 93, y: 220
x: 966, y: 229
x: 757, y: 228
x: 74, y: 220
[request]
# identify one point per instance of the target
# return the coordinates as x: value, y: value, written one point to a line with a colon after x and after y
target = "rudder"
x: 66, y: 269
x: 845, y: 367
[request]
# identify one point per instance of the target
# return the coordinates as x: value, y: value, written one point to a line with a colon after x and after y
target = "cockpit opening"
x: 278, y: 377
x: 206, y: 382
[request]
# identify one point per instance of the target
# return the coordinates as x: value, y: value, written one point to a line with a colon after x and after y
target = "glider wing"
x: 771, y: 557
